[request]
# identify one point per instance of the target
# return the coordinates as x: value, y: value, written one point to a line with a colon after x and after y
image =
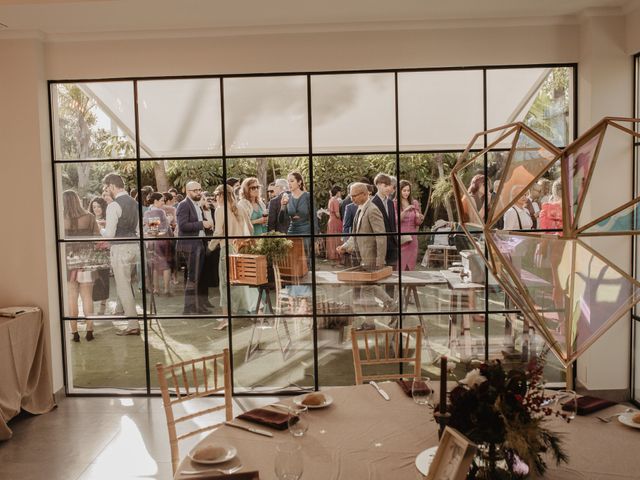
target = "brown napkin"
x: 264, y: 416
x: 235, y: 476
x: 589, y: 404
x: 405, y: 385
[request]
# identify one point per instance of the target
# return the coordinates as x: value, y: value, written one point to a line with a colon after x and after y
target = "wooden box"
x: 357, y: 274
x: 247, y: 269
x: 294, y: 265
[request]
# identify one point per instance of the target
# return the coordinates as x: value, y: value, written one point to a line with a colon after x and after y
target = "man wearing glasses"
x: 277, y: 220
x: 192, y: 223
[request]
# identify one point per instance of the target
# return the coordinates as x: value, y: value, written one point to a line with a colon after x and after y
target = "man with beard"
x: 191, y: 223
x: 122, y: 222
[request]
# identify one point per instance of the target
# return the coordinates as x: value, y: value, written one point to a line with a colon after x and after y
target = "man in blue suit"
x: 191, y: 223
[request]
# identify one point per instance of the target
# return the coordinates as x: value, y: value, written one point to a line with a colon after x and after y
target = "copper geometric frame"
x: 589, y: 293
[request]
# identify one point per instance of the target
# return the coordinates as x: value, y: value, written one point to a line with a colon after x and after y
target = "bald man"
x: 372, y: 249
x: 191, y: 223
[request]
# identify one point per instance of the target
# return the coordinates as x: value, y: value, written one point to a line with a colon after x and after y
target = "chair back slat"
x: 390, y: 346
x: 188, y: 385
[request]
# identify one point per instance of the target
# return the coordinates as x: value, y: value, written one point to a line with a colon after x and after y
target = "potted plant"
x: 274, y: 246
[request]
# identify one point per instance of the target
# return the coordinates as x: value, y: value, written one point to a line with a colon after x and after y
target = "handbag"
x: 405, y: 239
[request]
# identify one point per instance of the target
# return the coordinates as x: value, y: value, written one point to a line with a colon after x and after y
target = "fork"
x: 224, y: 471
x: 608, y: 418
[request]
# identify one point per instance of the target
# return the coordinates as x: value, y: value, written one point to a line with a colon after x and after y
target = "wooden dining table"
x: 362, y: 436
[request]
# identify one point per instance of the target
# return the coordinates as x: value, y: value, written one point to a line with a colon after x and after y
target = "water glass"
x: 566, y: 404
x: 422, y: 391
x: 298, y: 422
x: 288, y: 461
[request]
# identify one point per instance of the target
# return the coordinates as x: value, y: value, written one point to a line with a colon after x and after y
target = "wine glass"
x: 298, y: 422
x: 288, y: 461
x: 422, y: 391
x: 566, y: 404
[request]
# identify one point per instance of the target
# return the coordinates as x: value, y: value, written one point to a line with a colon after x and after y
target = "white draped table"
x: 361, y: 436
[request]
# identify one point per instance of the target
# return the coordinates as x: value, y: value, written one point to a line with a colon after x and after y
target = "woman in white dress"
x: 238, y: 225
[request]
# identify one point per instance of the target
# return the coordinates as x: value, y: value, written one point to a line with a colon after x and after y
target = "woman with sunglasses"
x: 253, y: 205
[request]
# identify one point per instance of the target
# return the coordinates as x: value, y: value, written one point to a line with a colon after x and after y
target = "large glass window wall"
x: 148, y: 278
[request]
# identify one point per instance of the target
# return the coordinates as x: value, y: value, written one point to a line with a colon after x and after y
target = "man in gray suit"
x: 371, y: 249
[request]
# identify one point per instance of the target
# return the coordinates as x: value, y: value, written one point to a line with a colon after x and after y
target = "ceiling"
x: 51, y: 17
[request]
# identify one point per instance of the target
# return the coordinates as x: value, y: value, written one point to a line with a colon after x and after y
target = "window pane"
x: 353, y: 113
x: 266, y: 115
x: 440, y: 110
x: 180, y: 117
x: 101, y: 278
x: 109, y: 362
x: 80, y: 192
x: 272, y: 354
x: 539, y: 97
x: 93, y: 120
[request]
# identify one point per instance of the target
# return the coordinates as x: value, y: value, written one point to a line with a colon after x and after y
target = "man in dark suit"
x: 277, y: 220
x: 384, y: 186
x: 191, y: 223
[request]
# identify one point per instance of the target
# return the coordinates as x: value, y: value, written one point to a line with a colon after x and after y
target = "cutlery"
x: 382, y: 393
x: 608, y: 418
x: 224, y: 471
x: 250, y: 429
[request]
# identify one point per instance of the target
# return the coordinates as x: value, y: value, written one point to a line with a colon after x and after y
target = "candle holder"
x: 443, y: 421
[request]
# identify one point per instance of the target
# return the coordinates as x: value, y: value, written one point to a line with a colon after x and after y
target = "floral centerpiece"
x: 504, y: 413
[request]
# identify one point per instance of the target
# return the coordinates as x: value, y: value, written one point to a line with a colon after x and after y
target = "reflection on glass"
x: 539, y: 97
x: 109, y: 361
x: 174, y: 340
x: 180, y: 117
x: 353, y: 112
x: 266, y: 115
x: 439, y: 110
x: 93, y: 120
x: 581, y: 162
x: 272, y: 353
x: 90, y: 271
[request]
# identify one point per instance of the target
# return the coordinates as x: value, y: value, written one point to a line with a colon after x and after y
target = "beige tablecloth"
x: 25, y: 374
x: 362, y: 436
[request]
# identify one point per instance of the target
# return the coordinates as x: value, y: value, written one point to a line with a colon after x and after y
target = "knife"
x: 250, y: 429
x: 384, y: 394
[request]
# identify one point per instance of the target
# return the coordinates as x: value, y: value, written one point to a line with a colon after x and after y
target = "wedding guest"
x: 79, y: 223
x: 335, y: 222
x: 253, y: 205
x: 122, y: 221
x: 278, y: 221
x: 518, y: 216
x: 238, y: 225
x: 296, y: 205
x: 192, y: 223
x: 410, y: 220
x: 98, y: 207
x: 156, y: 224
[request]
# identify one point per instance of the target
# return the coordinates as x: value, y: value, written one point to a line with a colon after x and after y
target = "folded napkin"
x: 255, y: 475
x: 270, y: 418
x: 406, y: 385
x: 589, y: 404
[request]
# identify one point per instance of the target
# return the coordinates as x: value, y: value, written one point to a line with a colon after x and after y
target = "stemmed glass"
x: 298, y: 422
x: 288, y: 461
x: 422, y: 391
x: 566, y: 404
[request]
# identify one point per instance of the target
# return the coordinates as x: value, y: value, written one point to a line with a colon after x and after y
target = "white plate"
x: 424, y: 460
x: 328, y: 400
x: 626, y: 418
x: 230, y: 452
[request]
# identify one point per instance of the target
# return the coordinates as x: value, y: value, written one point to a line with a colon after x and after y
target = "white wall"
x: 27, y: 248
x: 28, y: 262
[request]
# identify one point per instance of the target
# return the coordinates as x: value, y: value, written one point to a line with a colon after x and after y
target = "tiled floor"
x: 97, y: 438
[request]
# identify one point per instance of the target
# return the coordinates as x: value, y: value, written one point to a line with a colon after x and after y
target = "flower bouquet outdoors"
x: 504, y: 413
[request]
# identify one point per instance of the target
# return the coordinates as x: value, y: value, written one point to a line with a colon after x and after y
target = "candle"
x: 443, y: 384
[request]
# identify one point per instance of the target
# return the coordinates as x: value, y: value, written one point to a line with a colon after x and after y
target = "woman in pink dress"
x: 410, y: 220
x: 335, y: 223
